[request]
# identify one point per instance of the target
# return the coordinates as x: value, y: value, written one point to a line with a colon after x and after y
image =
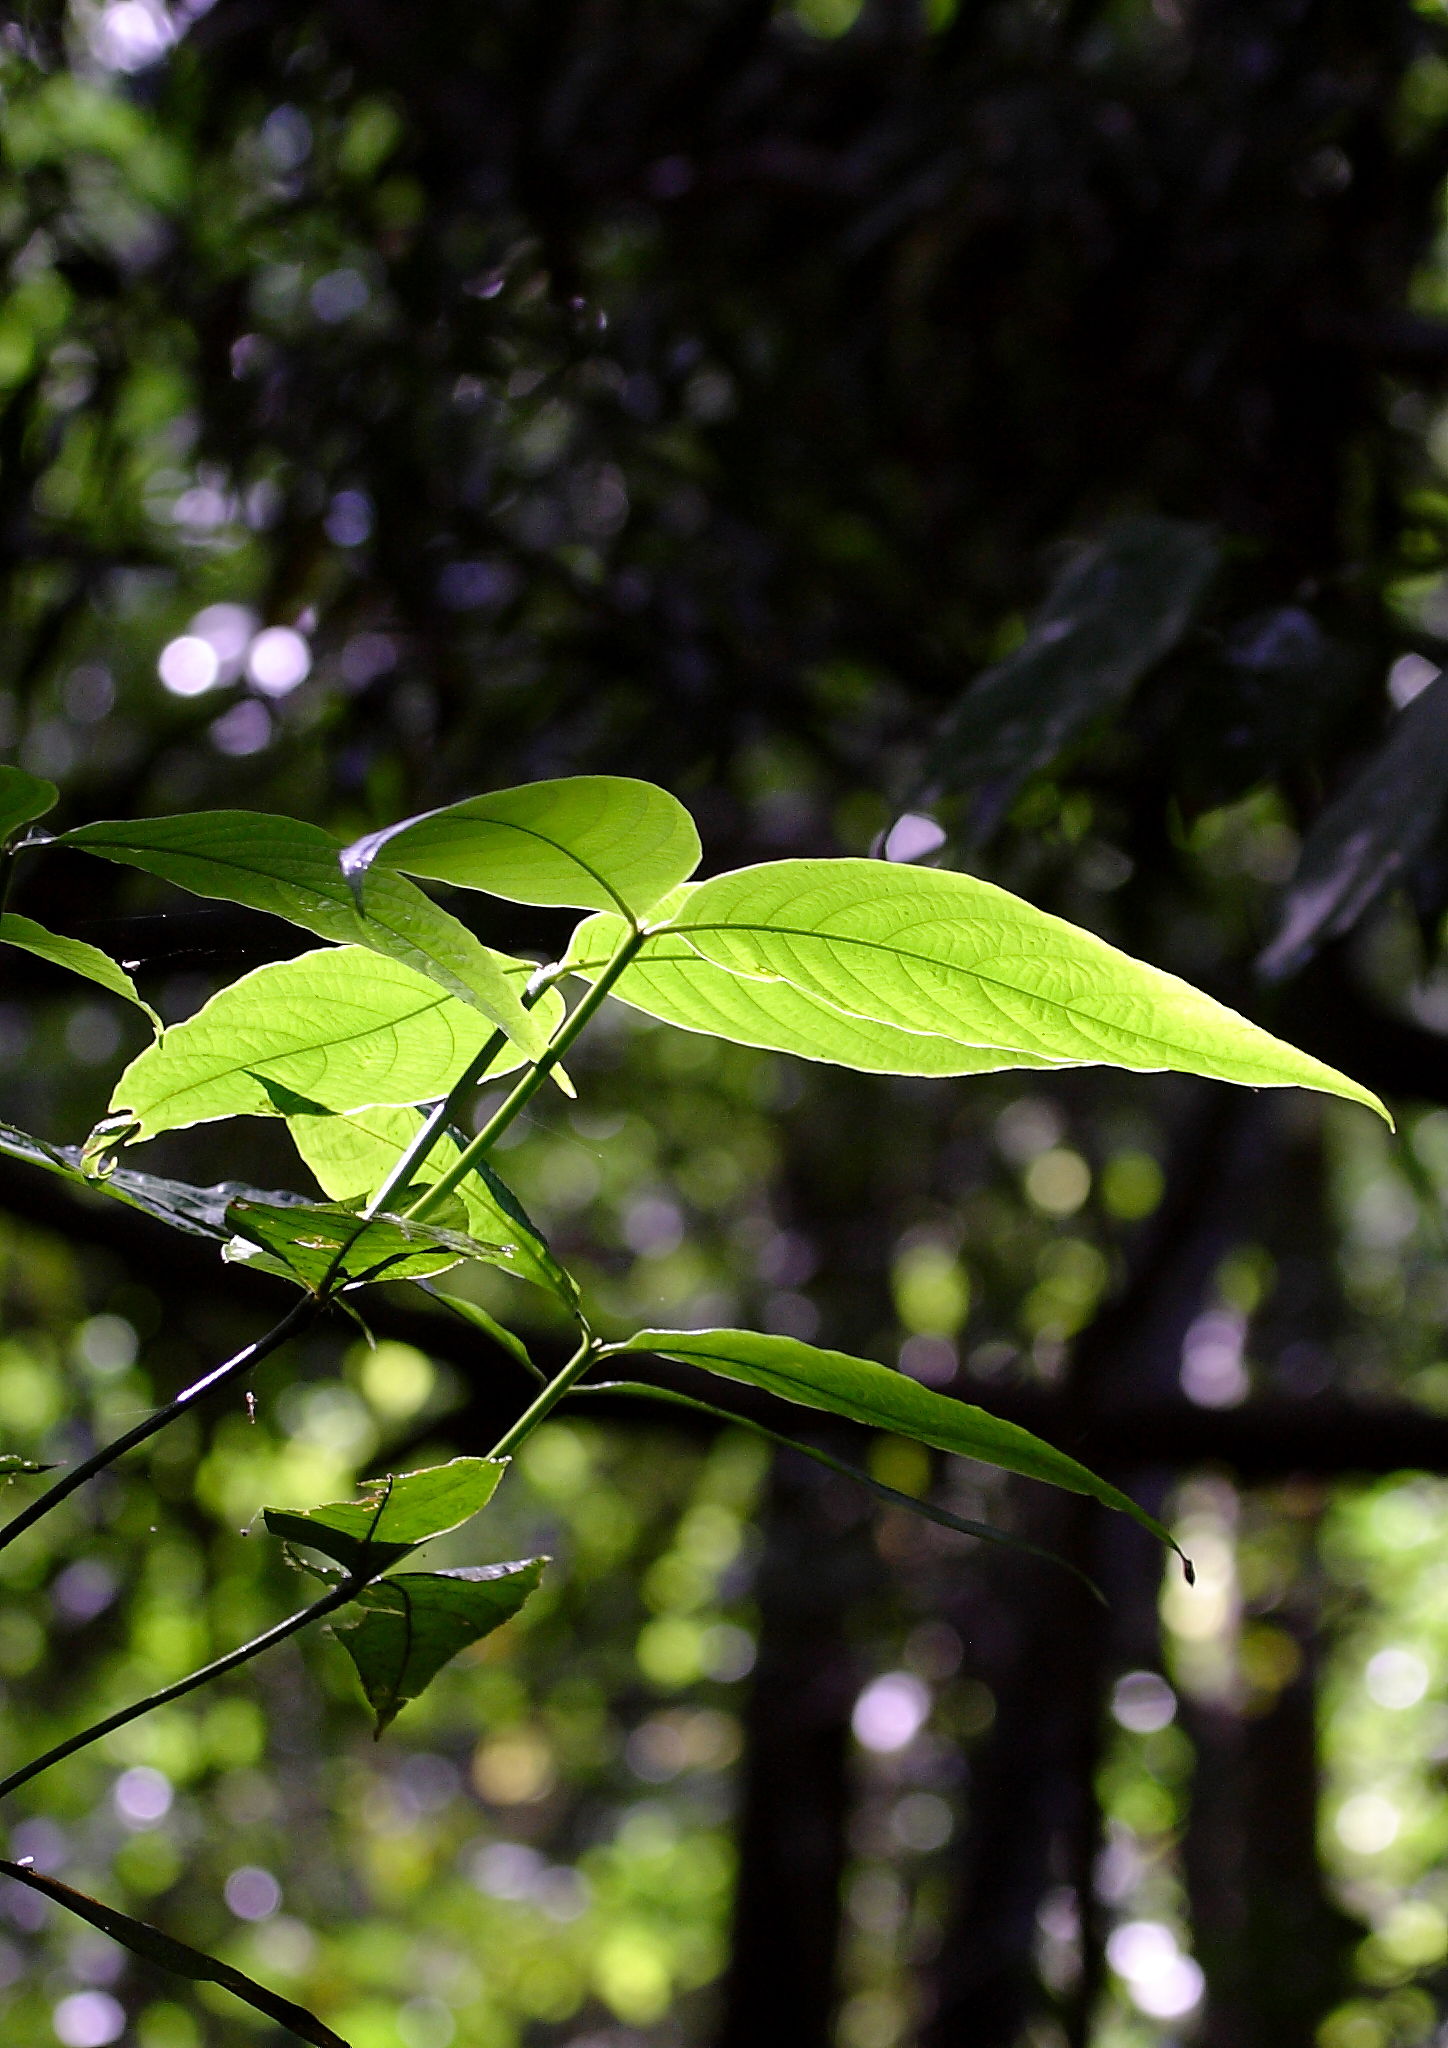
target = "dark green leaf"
x: 73, y: 954
x: 164, y: 1952
x: 472, y: 1312
x: 413, y: 1623
x: 323, y: 1244
x: 593, y: 842
x: 396, y: 1514
x: 291, y: 869
x: 1369, y: 836
x: 873, y: 1394
x: 1122, y: 604
x: 23, y: 798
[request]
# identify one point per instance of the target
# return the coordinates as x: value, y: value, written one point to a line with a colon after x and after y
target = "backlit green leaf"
x: 323, y: 1244
x: 873, y: 1394
x: 593, y: 842
x: 353, y: 1155
x: 23, y: 798
x: 291, y: 869
x: 396, y: 1514
x: 338, y: 1029
x: 404, y: 1629
x: 948, y: 954
x: 74, y: 954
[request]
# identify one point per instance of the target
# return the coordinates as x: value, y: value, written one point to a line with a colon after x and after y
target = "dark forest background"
x: 1006, y: 433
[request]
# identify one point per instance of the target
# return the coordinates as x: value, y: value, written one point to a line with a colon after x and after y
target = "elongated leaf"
x: 325, y: 1244
x: 1120, y: 606
x: 338, y: 1029
x: 74, y: 954
x: 412, y: 1624
x: 671, y: 979
x: 13, y: 1466
x: 472, y: 1312
x: 873, y: 1394
x: 948, y: 954
x: 963, y: 1525
x: 397, y: 1513
x: 164, y: 1952
x: 594, y: 842
x: 353, y: 1155
x: 23, y: 798
x: 1369, y: 836
x: 291, y: 869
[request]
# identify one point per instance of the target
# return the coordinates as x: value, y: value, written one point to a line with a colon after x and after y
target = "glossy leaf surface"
x: 339, y: 1029
x: 23, y: 799
x: 396, y: 1514
x: 866, y: 1392
x: 947, y: 954
x: 73, y: 954
x: 321, y: 1245
x: 591, y: 842
x: 164, y: 1952
x: 291, y: 869
x: 402, y: 1630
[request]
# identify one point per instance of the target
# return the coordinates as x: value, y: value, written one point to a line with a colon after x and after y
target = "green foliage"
x: 401, y: 1512
x: 23, y: 798
x: 73, y: 954
x: 405, y: 1628
x: 332, y: 1246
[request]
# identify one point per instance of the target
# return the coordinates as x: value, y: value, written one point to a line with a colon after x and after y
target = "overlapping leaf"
x: 73, y: 954
x: 591, y: 842
x: 866, y: 1392
x: 954, y: 957
x: 402, y: 1630
x: 292, y: 870
x: 396, y: 1514
x: 352, y: 1157
x: 340, y: 1029
x: 325, y: 1245
x: 23, y: 799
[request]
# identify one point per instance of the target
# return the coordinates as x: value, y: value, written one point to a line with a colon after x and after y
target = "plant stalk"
x: 547, y: 1400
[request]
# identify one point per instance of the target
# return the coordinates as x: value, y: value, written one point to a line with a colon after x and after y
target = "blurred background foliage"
x: 1009, y: 433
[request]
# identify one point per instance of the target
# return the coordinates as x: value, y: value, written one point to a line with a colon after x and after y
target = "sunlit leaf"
x: 873, y: 1394
x: 324, y: 1244
x: 396, y: 1514
x: 13, y: 1466
x: 339, y: 1029
x: 73, y: 954
x: 404, y: 1629
x: 1369, y: 836
x: 956, y: 957
x: 164, y: 1952
x: 291, y: 869
x: 23, y: 798
x: 352, y: 1157
x: 1113, y: 613
x: 671, y: 980
x: 593, y: 842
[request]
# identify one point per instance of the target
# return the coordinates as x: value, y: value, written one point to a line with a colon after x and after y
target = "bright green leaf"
x: 593, y: 842
x: 13, y: 1466
x: 397, y: 1514
x: 291, y: 869
x: 339, y: 1029
x: 23, y: 798
x: 352, y: 1157
x: 74, y: 954
x: 320, y: 1244
x: 948, y: 954
x: 414, y: 1623
x: 873, y: 1394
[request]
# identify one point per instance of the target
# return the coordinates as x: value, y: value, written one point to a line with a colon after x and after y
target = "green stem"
x: 329, y: 1602
x: 547, y: 1400
x: 428, y: 1204
x: 442, y: 1114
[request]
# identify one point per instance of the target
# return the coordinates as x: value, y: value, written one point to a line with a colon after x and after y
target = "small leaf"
x: 1369, y: 835
x: 593, y: 842
x: 338, y: 1029
x: 1121, y: 605
x: 23, y: 798
x: 327, y: 1244
x: 353, y: 1155
x: 413, y: 1623
x: 13, y: 1466
x: 395, y: 1516
x: 866, y: 1392
x: 164, y: 1952
x: 473, y: 1312
x: 74, y: 954
x: 956, y: 957
x: 291, y: 869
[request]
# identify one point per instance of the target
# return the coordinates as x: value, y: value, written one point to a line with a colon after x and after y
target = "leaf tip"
x: 1189, y: 1570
